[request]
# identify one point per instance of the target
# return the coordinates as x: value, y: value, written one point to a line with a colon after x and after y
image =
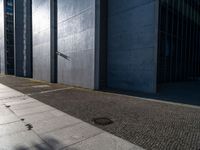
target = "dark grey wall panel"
x: 41, y: 39
x: 76, y: 41
x: 2, y: 47
x: 132, y: 45
x: 23, y: 50
x: 53, y: 5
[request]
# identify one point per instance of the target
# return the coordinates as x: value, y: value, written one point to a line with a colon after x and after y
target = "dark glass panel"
x: 179, y: 46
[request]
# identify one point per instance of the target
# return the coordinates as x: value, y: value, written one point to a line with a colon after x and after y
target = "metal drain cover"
x: 102, y: 121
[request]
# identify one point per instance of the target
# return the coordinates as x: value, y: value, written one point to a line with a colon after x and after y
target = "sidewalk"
x: 147, y: 122
x: 27, y: 124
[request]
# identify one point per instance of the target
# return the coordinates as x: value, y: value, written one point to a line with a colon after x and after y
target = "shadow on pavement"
x: 54, y: 144
x: 148, y: 124
x: 183, y: 92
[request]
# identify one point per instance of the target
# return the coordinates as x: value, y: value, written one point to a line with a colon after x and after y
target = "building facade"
x: 7, y: 37
x: 23, y: 38
x: 41, y: 31
x: 179, y: 41
x: 2, y: 38
x: 133, y: 45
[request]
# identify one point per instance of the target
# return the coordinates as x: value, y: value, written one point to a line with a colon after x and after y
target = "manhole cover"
x: 102, y: 121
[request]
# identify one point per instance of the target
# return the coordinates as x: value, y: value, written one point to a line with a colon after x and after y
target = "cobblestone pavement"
x: 150, y: 124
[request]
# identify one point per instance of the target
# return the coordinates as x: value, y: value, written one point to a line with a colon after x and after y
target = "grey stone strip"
x: 74, y: 135
x: 62, y: 89
x: 49, y: 91
x: 10, y: 122
x: 21, y: 131
x: 81, y: 141
x: 12, y: 97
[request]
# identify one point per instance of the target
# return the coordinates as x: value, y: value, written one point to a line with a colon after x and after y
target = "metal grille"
x: 179, y: 45
x: 9, y: 34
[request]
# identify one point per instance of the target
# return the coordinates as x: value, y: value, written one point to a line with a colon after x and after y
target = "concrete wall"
x: 23, y: 50
x: 2, y: 48
x: 132, y: 46
x: 76, y: 42
x: 41, y: 39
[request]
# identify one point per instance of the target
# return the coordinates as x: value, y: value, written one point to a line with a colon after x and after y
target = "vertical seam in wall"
x: 25, y: 40
x: 3, y: 50
x: 53, y: 41
x: 31, y: 40
x: 156, y: 43
x: 5, y: 45
x: 14, y: 24
x: 97, y: 44
x: 2, y: 38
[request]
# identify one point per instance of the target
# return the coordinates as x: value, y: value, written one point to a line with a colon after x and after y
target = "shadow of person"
x: 52, y: 144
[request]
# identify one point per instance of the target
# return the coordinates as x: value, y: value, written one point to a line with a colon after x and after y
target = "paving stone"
x: 16, y: 100
x: 35, y: 147
x: 39, y: 147
x: 20, y: 100
x: 23, y: 97
x: 43, y: 116
x: 18, y: 141
x: 147, y: 122
x: 48, y: 125
x: 2, y: 86
x: 71, y: 135
x: 8, y: 129
x: 10, y: 95
x: 4, y: 101
x: 104, y: 141
x: 41, y: 86
x: 4, y: 111
x: 4, y: 119
x: 26, y: 105
x: 28, y: 111
x: 6, y: 90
